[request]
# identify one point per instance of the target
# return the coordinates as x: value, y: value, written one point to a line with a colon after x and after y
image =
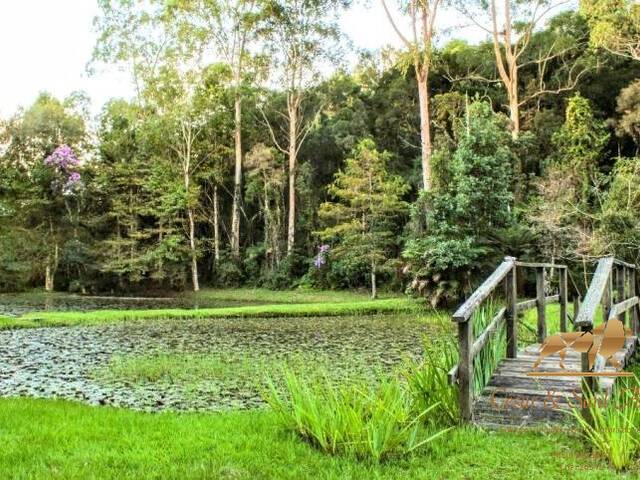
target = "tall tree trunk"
x: 293, y: 154
x: 186, y: 172
x: 50, y: 269
x: 216, y: 225
x: 422, y: 77
x: 194, y: 253
x: 374, y: 287
x: 514, y: 100
x: 237, y: 183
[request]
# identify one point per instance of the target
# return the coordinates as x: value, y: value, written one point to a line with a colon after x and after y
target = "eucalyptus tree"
x: 135, y: 36
x: 185, y: 106
x: 225, y: 29
x: 419, y: 43
x: 511, y: 27
x: 300, y: 38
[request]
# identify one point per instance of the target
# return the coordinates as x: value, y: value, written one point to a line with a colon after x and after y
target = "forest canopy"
x: 251, y: 154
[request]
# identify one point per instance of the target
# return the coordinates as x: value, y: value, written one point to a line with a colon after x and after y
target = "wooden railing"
x: 463, y: 373
x: 613, y: 281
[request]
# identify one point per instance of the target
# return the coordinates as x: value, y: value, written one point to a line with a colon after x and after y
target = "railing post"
x: 589, y: 384
x: 541, y: 305
x: 563, y: 291
x: 465, y: 369
x: 511, y: 294
x: 632, y: 293
x: 576, y: 307
x: 607, y: 297
x: 620, y: 274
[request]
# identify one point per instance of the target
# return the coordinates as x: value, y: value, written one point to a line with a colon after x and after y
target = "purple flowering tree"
x: 67, y: 183
x: 66, y: 164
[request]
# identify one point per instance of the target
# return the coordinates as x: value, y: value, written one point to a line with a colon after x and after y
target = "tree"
x: 628, y: 106
x: 422, y: 15
x: 563, y: 212
x: 225, y: 28
x: 512, y: 30
x: 367, y: 203
x: 465, y: 216
x: 618, y: 222
x: 266, y: 183
x: 615, y: 25
x: 580, y: 143
x: 134, y: 34
x: 41, y: 144
x: 299, y: 35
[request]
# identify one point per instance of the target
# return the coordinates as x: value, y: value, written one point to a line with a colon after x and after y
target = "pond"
x: 18, y: 304
x: 196, y: 364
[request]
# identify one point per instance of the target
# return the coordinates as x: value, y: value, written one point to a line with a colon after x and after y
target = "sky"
x: 45, y: 46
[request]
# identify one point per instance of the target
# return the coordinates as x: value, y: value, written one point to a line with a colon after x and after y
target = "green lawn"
x: 263, y: 295
x: 362, y: 307
x: 45, y: 439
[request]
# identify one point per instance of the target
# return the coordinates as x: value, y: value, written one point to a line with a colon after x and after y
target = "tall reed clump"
x: 613, y: 426
x: 428, y: 380
x: 368, y: 422
x: 494, y: 351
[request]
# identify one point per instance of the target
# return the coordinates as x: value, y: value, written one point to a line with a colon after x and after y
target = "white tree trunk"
x: 50, y: 269
x: 237, y: 184
x: 422, y: 78
x: 194, y: 252
x: 374, y: 287
x: 293, y: 160
x: 216, y: 226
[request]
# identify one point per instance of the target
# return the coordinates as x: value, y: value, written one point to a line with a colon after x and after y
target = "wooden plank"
x: 620, y: 308
x: 624, y: 264
x: 541, y: 304
x: 464, y: 312
x: 597, y: 288
x: 563, y: 288
x: 541, y: 265
x: 529, y: 304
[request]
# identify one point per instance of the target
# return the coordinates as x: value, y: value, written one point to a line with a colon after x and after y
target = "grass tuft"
x: 613, y: 429
x: 368, y: 422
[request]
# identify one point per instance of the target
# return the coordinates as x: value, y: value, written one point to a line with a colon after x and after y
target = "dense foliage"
x: 259, y: 170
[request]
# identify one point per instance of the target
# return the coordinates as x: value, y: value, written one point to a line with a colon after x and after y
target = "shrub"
x: 613, y: 429
x: 365, y: 421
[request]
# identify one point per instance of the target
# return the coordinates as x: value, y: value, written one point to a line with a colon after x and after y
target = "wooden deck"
x: 514, y: 399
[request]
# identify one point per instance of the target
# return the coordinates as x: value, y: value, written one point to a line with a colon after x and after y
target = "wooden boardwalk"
x: 514, y: 399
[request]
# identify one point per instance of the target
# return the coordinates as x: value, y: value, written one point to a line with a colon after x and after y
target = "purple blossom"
x: 63, y: 158
x: 66, y: 163
x: 321, y: 259
x: 74, y: 177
